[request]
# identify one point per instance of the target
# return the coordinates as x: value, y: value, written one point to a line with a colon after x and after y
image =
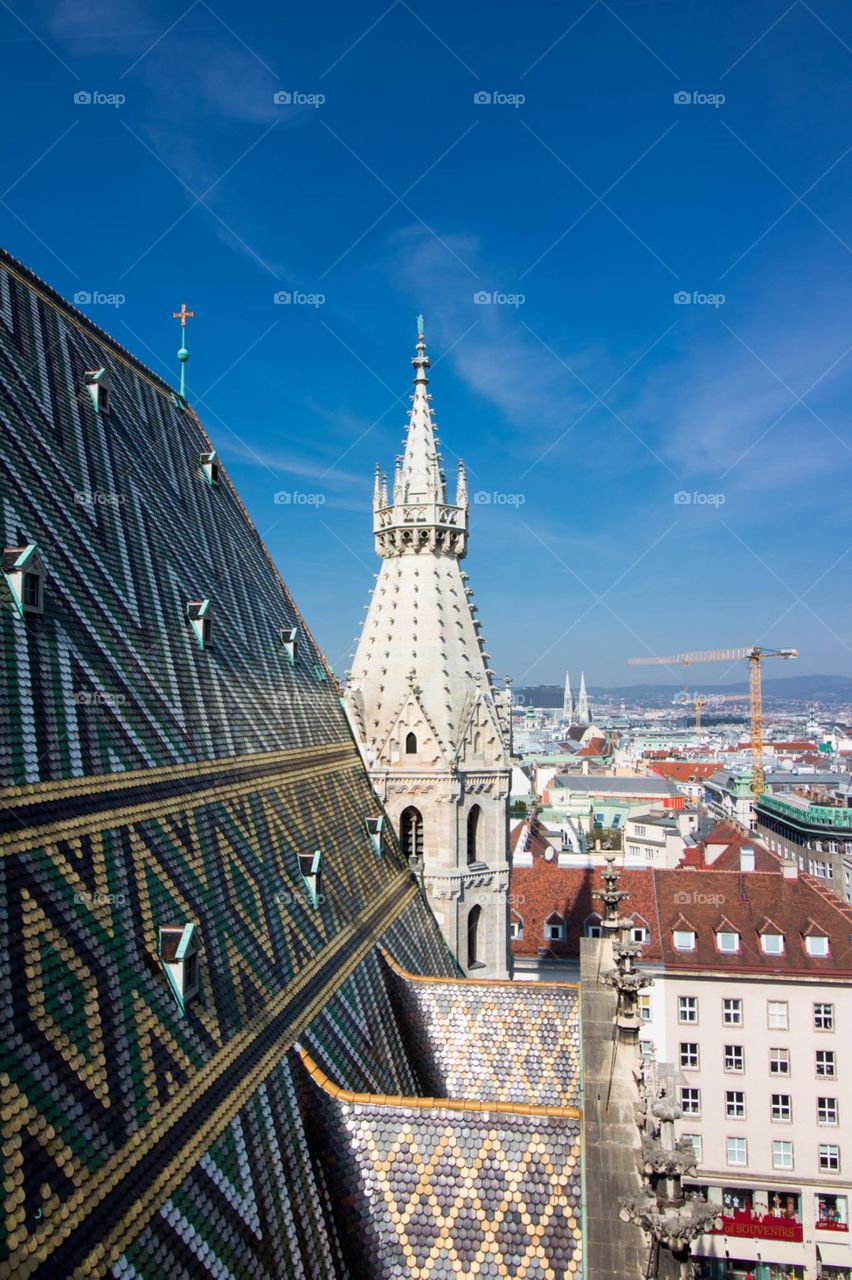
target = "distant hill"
x: 828, y: 689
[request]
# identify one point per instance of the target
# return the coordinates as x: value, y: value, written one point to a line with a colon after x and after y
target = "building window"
x: 639, y: 934
x: 310, y: 865
x: 779, y: 1062
x: 734, y: 1057
x: 823, y: 1017
x: 210, y: 467
x: 777, y: 1015
x: 684, y: 939
x: 516, y: 927
x: 553, y: 928
x: 727, y: 942
x: 687, y: 1008
x: 97, y: 385
x: 690, y: 1101
x: 735, y: 1104
x: 640, y: 831
x: 829, y: 1157
x: 772, y: 944
x: 411, y: 832
x: 782, y: 1154
x: 827, y: 1111
x: 781, y: 1107
x: 199, y: 613
x: 825, y: 1063
x: 177, y: 948
x: 695, y: 1139
x: 732, y: 1012
x: 816, y: 944
x: 24, y: 573
x: 374, y: 831
x: 831, y: 1212
x: 472, y: 832
x: 689, y: 1055
x: 737, y: 1151
x: 290, y: 642
x: 411, y: 744
x: 473, y: 919
x: 645, y: 1008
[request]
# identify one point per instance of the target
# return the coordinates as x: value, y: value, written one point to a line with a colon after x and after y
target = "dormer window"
x: 516, y: 927
x: 289, y: 643
x: 772, y: 944
x: 816, y: 944
x: 177, y: 947
x: 727, y: 941
x: 374, y: 830
x: 319, y: 673
x: 592, y: 926
x: 684, y: 939
x: 309, y: 865
x: 200, y: 618
x: 554, y: 928
x: 210, y: 467
x: 24, y: 573
x: 97, y: 385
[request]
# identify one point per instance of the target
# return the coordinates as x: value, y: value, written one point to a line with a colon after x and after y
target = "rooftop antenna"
x: 183, y: 354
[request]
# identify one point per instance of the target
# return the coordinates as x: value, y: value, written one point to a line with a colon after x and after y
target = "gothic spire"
x: 568, y: 700
x: 583, y: 716
x: 421, y: 466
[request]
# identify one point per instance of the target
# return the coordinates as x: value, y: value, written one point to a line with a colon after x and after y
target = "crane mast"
x: 755, y: 656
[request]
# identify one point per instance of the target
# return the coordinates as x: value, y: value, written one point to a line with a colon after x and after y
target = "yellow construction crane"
x: 755, y: 657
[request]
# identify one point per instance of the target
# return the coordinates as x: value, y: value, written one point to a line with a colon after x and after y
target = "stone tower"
x: 582, y: 712
x: 435, y: 735
x: 568, y: 701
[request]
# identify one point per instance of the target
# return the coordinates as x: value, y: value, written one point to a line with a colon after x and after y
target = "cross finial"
x: 183, y: 315
x: 183, y: 354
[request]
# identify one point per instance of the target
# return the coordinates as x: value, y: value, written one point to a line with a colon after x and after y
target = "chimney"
x: 746, y: 858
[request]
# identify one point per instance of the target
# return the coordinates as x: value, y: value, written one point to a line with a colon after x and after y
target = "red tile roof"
x: 686, y: 770
x: 721, y: 897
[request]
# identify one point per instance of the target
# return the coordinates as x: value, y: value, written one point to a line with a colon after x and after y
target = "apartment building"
x: 749, y: 1022
x: 751, y: 1009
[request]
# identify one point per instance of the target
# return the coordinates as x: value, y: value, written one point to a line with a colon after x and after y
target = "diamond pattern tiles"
x: 509, y: 1040
x: 426, y: 1190
x: 130, y: 531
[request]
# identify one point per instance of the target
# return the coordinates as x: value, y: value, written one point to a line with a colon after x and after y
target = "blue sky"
x: 583, y: 409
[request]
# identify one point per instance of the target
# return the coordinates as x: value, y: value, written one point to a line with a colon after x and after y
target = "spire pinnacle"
x: 421, y: 361
x: 183, y: 354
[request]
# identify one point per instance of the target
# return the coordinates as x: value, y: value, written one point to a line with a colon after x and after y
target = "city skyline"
x: 585, y: 397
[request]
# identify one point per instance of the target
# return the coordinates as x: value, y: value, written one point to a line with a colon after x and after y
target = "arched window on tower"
x: 472, y: 832
x: 473, y: 918
x: 411, y: 832
x: 411, y: 744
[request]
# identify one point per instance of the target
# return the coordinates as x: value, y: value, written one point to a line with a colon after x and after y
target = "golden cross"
x: 183, y: 315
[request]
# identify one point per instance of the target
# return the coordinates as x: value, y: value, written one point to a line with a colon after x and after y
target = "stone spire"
x: 419, y: 517
x: 568, y: 700
x: 434, y: 734
x: 582, y: 710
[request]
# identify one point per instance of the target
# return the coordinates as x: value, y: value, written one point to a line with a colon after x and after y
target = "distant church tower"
x: 583, y: 713
x: 435, y: 734
x: 568, y: 701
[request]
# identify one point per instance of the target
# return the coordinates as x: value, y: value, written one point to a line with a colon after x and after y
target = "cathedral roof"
x: 192, y: 870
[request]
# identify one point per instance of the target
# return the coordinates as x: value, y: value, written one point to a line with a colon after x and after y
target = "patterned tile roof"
x: 434, y: 1189
x: 515, y: 1041
x: 146, y: 780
